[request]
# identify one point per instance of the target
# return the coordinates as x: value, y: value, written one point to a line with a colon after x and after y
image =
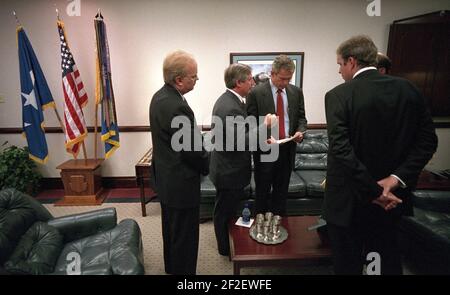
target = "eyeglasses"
x: 193, y: 77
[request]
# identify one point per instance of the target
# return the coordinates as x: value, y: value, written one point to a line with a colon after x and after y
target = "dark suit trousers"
x: 227, y: 201
x: 372, y: 230
x: 276, y: 176
x: 180, y: 230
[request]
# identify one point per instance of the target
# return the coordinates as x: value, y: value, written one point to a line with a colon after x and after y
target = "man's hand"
x: 270, y: 120
x: 389, y: 184
x: 388, y: 202
x: 298, y: 137
x: 271, y: 140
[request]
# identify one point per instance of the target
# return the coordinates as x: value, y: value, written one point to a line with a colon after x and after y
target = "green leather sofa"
x: 32, y: 241
x: 425, y: 237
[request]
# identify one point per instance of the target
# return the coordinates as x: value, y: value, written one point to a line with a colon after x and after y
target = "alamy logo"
x: 74, y: 263
x: 236, y: 134
x: 74, y: 8
x: 374, y: 266
x: 374, y: 8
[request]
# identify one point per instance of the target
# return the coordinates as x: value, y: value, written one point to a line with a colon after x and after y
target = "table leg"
x: 141, y: 188
x: 236, y: 269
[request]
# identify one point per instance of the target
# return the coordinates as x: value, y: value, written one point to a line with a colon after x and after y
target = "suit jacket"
x: 230, y: 169
x: 260, y: 102
x: 377, y: 125
x: 176, y: 173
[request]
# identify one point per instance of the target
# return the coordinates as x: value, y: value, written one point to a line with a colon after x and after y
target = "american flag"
x: 75, y: 97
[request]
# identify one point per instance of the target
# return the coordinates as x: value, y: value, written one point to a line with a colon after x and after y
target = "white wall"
x: 142, y: 32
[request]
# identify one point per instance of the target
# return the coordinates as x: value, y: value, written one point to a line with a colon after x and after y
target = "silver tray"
x: 269, y: 241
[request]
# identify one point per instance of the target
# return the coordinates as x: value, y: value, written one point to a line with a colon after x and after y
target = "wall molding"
x: 91, y: 129
x: 134, y: 129
x: 125, y: 129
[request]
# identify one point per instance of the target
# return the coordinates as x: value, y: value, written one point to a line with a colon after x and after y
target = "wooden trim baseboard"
x: 107, y: 182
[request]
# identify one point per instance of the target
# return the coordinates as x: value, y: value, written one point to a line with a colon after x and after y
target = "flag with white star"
x: 75, y: 97
x: 36, y: 96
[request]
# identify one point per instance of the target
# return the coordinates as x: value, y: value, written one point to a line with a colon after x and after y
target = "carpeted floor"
x: 209, y: 261
x: 127, y: 203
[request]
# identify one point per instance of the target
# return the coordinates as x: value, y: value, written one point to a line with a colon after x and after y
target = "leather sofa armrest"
x: 126, y: 252
x: 78, y: 226
x: 438, y: 201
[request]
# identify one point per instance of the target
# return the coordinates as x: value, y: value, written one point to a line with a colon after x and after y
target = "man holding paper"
x: 277, y: 96
x: 230, y: 164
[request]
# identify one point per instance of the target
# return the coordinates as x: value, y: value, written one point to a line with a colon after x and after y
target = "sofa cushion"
x: 17, y: 213
x: 117, y: 251
x: 208, y: 190
x: 297, y: 187
x: 315, y: 141
x: 37, y: 250
x: 425, y: 241
x: 314, y: 182
x: 310, y: 161
x: 438, y: 201
x: 430, y: 226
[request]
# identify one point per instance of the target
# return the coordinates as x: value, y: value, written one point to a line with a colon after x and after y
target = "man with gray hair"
x: 279, y: 97
x: 380, y: 138
x: 177, y: 173
x: 230, y: 167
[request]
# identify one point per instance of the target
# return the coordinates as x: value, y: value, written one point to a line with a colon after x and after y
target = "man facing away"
x: 177, y: 170
x: 277, y: 96
x: 230, y: 166
x: 380, y: 138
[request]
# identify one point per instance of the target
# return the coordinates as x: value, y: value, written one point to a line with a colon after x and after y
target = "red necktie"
x: 280, y: 114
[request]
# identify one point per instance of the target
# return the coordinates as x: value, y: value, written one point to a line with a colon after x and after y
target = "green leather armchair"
x: 33, y: 242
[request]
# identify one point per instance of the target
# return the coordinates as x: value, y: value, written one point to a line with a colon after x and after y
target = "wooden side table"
x: 143, y: 174
x: 82, y: 183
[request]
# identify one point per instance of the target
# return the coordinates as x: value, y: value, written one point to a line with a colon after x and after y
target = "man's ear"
x: 352, y: 61
x: 178, y: 80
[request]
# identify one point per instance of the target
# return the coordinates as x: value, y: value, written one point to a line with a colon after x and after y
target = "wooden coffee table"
x: 302, y: 247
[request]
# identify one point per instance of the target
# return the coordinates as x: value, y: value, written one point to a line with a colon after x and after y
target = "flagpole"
x: 97, y: 93
x: 95, y: 131
x: 17, y: 19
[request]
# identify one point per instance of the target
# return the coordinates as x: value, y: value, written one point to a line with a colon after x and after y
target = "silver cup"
x: 269, y: 216
x: 259, y: 218
x: 275, y: 231
x: 259, y: 231
x: 266, y: 230
x: 277, y: 219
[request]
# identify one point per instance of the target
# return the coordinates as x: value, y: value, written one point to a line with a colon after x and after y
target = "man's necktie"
x: 280, y: 114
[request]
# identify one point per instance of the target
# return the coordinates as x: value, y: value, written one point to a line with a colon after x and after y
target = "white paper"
x: 239, y: 222
x: 281, y: 141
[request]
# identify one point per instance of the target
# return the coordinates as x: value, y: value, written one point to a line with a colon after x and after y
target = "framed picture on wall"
x: 261, y: 62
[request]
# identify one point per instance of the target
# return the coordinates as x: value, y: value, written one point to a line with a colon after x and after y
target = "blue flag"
x: 36, y: 96
x: 104, y: 91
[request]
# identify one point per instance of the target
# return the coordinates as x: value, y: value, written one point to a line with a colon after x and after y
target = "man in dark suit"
x: 380, y: 138
x: 279, y: 97
x: 230, y: 166
x: 178, y: 163
x: 383, y: 63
